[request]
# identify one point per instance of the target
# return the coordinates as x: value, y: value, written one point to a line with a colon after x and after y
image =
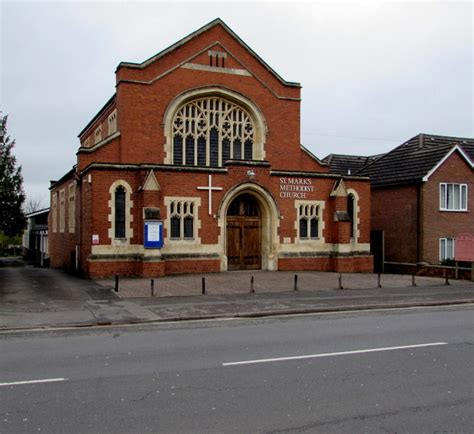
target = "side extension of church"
x: 195, y: 165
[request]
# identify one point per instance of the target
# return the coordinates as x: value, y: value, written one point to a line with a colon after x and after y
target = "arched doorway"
x: 244, y: 233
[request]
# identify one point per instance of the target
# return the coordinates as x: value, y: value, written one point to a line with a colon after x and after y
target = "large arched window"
x: 208, y: 131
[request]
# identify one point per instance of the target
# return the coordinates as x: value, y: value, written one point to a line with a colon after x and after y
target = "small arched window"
x: 209, y: 131
x: 350, y: 211
x: 120, y: 212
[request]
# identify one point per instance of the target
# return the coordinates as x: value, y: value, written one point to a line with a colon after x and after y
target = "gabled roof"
x: 348, y: 164
x: 416, y: 159
x: 195, y: 34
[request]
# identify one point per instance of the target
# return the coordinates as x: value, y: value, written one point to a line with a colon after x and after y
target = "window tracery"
x: 211, y: 130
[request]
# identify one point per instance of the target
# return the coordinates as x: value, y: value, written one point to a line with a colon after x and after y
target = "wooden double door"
x: 244, y: 234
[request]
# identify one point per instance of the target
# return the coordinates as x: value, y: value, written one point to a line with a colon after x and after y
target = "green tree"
x: 11, y: 185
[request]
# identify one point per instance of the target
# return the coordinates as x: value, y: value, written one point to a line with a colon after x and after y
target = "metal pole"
x: 203, y: 286
x: 340, y: 282
x: 379, y: 283
x: 413, y: 283
x: 152, y: 287
x: 446, y: 276
x: 116, y: 283
x: 251, y: 285
x: 295, y: 288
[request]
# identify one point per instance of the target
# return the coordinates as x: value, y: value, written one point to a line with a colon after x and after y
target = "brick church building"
x: 195, y: 165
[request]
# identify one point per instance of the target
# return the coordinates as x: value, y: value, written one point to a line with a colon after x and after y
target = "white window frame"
x: 311, y: 209
x: 461, y: 199
x: 443, y: 248
x: 196, y: 202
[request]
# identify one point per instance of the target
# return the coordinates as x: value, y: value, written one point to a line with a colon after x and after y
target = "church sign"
x: 295, y: 188
x: 153, y: 234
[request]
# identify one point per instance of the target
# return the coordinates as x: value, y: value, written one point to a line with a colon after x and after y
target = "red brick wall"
x: 62, y: 245
x: 140, y: 112
x: 441, y: 224
x: 394, y: 210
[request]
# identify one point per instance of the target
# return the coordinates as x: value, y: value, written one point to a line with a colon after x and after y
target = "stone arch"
x: 236, y: 98
x: 270, y: 218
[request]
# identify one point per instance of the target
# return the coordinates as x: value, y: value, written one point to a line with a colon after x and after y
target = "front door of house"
x: 244, y: 234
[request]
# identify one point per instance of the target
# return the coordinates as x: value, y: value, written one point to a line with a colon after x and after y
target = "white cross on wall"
x: 210, y: 189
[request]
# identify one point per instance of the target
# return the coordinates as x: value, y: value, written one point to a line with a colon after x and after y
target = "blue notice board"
x: 153, y: 234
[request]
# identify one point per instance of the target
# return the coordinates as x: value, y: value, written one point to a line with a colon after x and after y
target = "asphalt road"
x: 188, y: 377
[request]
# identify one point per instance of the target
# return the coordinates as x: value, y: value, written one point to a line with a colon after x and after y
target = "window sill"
x: 454, y: 210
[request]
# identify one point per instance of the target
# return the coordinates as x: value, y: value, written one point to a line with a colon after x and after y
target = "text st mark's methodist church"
x: 195, y: 165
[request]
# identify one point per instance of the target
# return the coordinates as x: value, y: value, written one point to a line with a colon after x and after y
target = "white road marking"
x: 46, y: 380
x: 341, y: 353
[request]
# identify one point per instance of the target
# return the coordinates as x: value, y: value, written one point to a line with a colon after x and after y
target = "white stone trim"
x: 314, y: 242
x: 270, y: 224
x: 201, y: 67
x: 128, y: 214
x: 355, y: 239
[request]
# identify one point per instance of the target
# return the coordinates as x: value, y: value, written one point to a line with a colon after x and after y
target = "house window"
x: 209, y: 131
x: 112, y: 122
x: 446, y: 249
x: 98, y: 134
x: 308, y: 221
x: 182, y: 216
x: 120, y: 195
x: 453, y: 197
x: 72, y: 208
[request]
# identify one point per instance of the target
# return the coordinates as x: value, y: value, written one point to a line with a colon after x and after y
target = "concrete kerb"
x: 243, y: 315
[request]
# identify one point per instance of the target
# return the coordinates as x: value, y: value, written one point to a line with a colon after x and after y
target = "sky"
x: 373, y: 74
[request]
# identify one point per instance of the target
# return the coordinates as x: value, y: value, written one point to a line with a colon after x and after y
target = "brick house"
x: 195, y: 165
x: 422, y: 195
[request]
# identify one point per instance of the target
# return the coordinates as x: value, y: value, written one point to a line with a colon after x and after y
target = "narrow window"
x: 214, y: 147
x: 175, y: 227
x: 188, y: 227
x: 350, y: 211
x: 237, y: 149
x: 120, y: 212
x: 303, y: 228
x: 189, y: 151
x: 225, y: 150
x: 248, y: 149
x: 201, y: 151
x: 178, y: 150
x: 314, y: 228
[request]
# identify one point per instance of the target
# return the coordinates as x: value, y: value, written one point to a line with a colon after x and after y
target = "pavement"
x: 33, y: 297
